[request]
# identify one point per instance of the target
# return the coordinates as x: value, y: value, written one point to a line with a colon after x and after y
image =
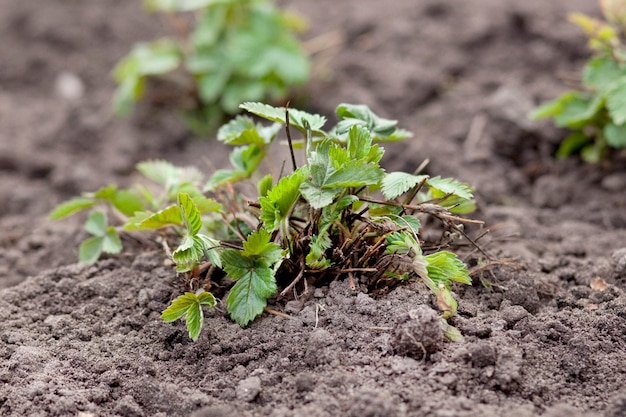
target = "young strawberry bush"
x: 238, y: 50
x: 597, y: 112
x: 337, y: 214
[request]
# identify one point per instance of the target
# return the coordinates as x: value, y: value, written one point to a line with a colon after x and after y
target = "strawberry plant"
x: 338, y: 214
x: 238, y: 50
x: 597, y: 112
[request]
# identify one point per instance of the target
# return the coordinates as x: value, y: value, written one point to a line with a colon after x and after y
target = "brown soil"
x: 543, y: 340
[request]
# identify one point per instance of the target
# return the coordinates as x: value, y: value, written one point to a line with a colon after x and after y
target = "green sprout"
x: 337, y: 214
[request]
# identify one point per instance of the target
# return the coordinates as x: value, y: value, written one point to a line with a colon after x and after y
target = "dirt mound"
x: 546, y: 339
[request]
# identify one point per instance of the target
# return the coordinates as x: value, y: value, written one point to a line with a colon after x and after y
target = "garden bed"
x: 546, y: 338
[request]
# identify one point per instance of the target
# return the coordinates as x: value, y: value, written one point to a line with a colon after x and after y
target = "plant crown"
x: 597, y: 113
x: 238, y: 50
x: 338, y: 214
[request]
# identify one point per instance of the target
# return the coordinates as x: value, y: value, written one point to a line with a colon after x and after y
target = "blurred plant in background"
x: 230, y: 52
x: 597, y: 112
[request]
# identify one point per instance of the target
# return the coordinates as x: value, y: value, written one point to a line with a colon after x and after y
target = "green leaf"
x: 240, y: 131
x: 397, y: 135
x: 592, y: 153
x: 354, y: 174
x: 381, y: 210
x: 246, y: 159
x: 359, y: 142
x: 402, y: 243
x: 397, y: 183
x: 290, y: 64
x: 106, y: 193
x: 194, y: 319
x: 572, y: 143
x: 179, y: 307
x: 189, y: 305
x: 236, y: 265
x: 317, y: 196
x: 221, y: 177
x: 211, y: 247
x: 406, y: 221
x: 353, y: 114
x: 96, y: 224
x: 572, y: 109
x: 615, y: 135
x: 450, y: 186
x: 333, y: 212
x: 601, y: 73
x: 316, y: 257
x: 177, y: 5
x: 458, y: 205
x: 345, y: 202
x: 90, y: 250
x: 135, y: 220
x: 265, y: 185
x: 111, y: 242
x: 360, y: 115
x: 359, y: 145
x: 148, y: 197
x: 127, y: 202
x: 552, y: 108
x: 275, y: 207
x: 168, y: 175
x: 188, y: 188
x: 194, y: 245
x: 129, y: 90
x: 255, y: 284
x: 105, y: 239
x: 146, y: 220
x: 190, y: 214
x: 192, y: 250
x: 206, y: 205
x: 321, y: 168
x: 616, y: 102
x: 206, y: 298
x: 320, y: 165
x: 255, y: 279
x: 155, y: 58
x: 71, y: 207
x: 444, y: 267
x: 578, y: 110
x: 243, y: 131
x: 451, y: 332
x: 211, y: 85
x: 158, y: 171
x: 331, y: 169
x: 277, y: 114
x: 241, y: 89
x: 258, y: 246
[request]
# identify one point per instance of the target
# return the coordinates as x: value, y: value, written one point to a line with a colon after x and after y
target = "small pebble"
x: 513, y: 314
x: 248, y: 389
x: 614, y: 182
x: 69, y: 86
x: 305, y: 382
x: 365, y: 304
